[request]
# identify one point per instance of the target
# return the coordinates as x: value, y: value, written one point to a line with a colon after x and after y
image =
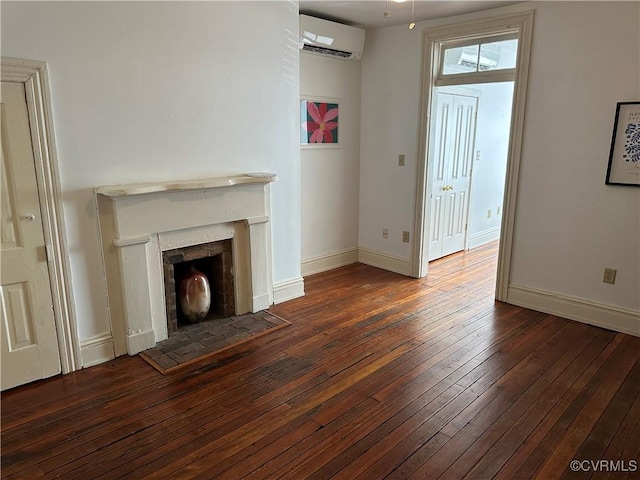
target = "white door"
x: 452, y: 153
x: 28, y: 330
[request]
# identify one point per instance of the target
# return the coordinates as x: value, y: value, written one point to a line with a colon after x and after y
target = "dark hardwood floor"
x: 380, y: 376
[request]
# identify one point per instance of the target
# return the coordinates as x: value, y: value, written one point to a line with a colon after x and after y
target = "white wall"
x: 152, y: 91
x: 492, y: 141
x: 389, y: 127
x: 329, y: 175
x: 569, y: 225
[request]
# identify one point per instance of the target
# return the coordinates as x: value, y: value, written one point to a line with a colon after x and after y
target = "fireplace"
x: 145, y: 226
x: 215, y: 261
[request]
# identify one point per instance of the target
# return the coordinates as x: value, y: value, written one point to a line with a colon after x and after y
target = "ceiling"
x: 367, y: 14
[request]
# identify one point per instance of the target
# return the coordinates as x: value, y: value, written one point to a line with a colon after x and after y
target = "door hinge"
x: 49, y: 251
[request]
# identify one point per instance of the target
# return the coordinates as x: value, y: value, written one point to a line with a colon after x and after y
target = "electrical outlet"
x: 385, y: 233
x: 477, y: 155
x: 405, y: 236
x: 401, y: 160
x: 498, y: 210
x: 609, y: 276
x: 489, y: 213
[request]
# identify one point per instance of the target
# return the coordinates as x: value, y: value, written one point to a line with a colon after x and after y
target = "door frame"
x: 433, y: 38
x: 33, y: 74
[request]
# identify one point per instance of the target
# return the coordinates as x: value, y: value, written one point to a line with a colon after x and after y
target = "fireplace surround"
x: 140, y: 222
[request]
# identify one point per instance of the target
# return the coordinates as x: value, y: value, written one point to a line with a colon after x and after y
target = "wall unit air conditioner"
x: 322, y: 37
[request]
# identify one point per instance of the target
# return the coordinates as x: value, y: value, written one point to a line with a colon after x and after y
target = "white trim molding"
x: 585, y: 311
x: 97, y: 349
x: 36, y: 81
x: 385, y: 261
x: 329, y: 261
x: 485, y: 236
x: 288, y: 290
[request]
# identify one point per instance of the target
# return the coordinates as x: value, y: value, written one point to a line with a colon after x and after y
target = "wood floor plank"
x: 379, y: 376
x: 555, y: 465
x: 515, y: 431
x: 621, y: 447
x: 487, y: 409
x: 561, y: 421
x: 286, y: 460
x: 468, y: 464
x: 438, y: 380
x: 371, y: 443
x: 538, y: 445
x: 610, y: 421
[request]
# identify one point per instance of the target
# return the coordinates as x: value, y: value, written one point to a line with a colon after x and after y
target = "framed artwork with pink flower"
x: 319, y: 122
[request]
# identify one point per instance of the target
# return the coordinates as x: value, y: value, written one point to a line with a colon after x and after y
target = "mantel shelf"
x: 116, y: 191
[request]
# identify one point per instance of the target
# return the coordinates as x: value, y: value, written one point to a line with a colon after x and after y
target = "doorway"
x: 468, y: 148
x: 465, y: 55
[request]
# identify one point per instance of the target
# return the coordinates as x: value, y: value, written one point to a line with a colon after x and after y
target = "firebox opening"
x: 214, y: 260
x: 204, y: 265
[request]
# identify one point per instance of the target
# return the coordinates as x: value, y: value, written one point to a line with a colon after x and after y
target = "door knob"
x: 31, y: 217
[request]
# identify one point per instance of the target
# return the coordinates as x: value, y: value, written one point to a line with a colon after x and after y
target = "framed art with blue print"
x: 624, y: 156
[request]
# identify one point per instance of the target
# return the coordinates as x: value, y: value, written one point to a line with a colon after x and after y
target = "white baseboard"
x: 261, y: 302
x: 385, y: 261
x: 329, y: 261
x: 585, y: 311
x: 485, y: 236
x: 288, y: 290
x: 97, y: 349
x: 140, y: 341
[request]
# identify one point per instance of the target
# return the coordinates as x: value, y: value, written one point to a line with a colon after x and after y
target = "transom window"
x: 472, y: 58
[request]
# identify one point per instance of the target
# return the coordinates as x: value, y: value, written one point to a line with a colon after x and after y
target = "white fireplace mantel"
x: 138, y: 222
x: 116, y: 191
